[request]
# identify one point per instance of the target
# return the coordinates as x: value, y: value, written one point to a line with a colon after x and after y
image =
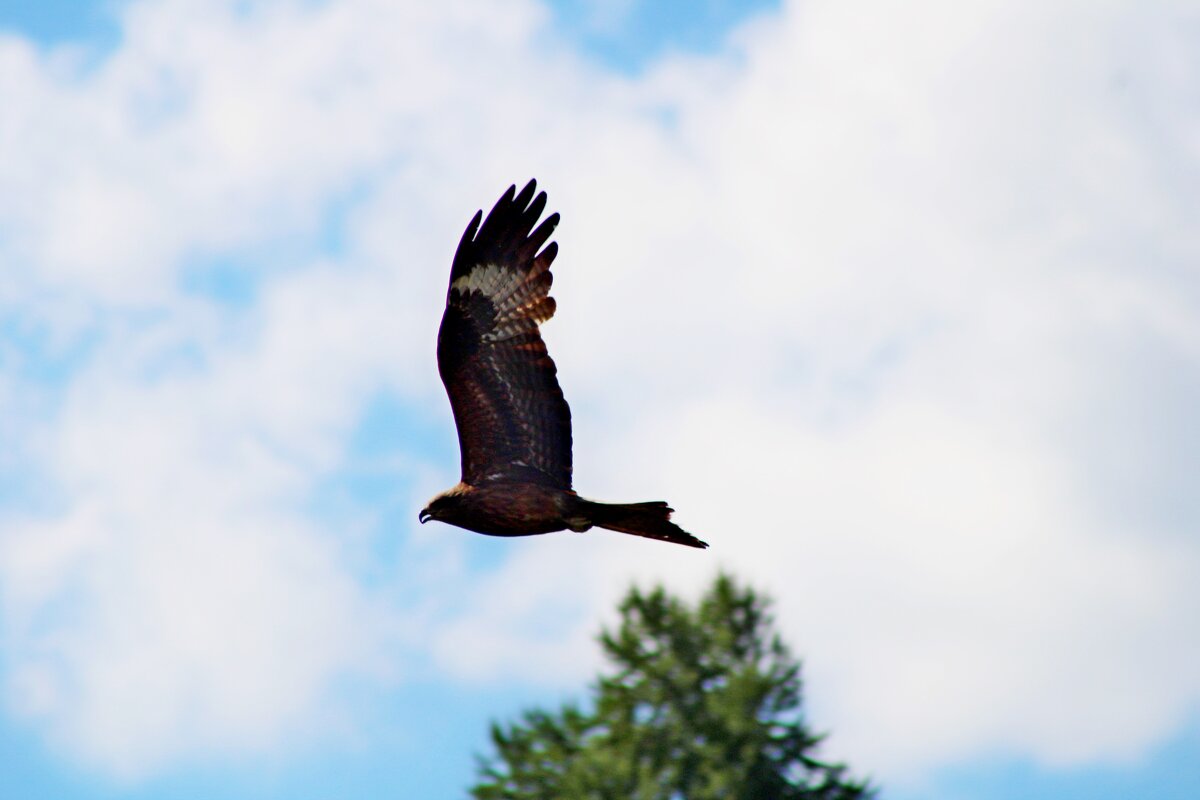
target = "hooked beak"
x: 424, y: 516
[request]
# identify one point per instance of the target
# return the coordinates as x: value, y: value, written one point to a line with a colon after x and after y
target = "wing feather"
x: 512, y: 419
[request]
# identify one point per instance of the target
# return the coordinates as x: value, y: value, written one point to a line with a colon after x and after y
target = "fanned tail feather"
x: 651, y: 520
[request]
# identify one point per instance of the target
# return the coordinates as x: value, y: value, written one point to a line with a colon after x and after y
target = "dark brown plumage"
x: 514, y: 426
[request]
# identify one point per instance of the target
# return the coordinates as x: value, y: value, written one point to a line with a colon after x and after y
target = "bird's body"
x: 507, y: 508
x: 514, y: 425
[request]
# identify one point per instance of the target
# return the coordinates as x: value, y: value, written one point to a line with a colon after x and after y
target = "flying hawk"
x: 514, y: 426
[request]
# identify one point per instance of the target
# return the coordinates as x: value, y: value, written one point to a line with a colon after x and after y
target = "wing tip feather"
x: 521, y: 201
x: 509, y: 233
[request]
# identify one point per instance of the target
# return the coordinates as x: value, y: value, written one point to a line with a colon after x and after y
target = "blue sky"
x: 923, y: 277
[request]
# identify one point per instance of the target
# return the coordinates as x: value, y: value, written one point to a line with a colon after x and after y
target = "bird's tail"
x: 652, y: 520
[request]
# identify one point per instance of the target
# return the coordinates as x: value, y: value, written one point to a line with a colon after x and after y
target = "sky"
x: 897, y: 304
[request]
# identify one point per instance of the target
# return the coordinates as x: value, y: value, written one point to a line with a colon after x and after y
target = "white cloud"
x: 894, y: 304
x: 164, y: 633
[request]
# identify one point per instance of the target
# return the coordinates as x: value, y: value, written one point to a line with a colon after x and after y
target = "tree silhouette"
x: 704, y: 704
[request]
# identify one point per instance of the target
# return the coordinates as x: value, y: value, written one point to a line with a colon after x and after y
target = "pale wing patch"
x: 485, y: 278
x: 520, y: 299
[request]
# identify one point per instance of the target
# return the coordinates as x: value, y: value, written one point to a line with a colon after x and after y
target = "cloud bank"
x: 897, y: 306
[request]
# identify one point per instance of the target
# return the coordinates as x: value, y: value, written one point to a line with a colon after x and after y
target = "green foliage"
x: 704, y: 704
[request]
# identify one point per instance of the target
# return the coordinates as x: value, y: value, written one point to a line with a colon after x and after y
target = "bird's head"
x: 442, y: 506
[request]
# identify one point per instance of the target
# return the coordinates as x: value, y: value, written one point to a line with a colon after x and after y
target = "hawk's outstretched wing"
x: 512, y: 419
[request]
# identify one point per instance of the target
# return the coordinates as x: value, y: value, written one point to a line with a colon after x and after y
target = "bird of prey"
x: 514, y: 426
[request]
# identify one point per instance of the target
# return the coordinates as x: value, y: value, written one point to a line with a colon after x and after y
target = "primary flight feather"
x: 514, y: 425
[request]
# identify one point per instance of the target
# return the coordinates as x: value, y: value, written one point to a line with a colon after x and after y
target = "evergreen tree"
x: 704, y: 704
